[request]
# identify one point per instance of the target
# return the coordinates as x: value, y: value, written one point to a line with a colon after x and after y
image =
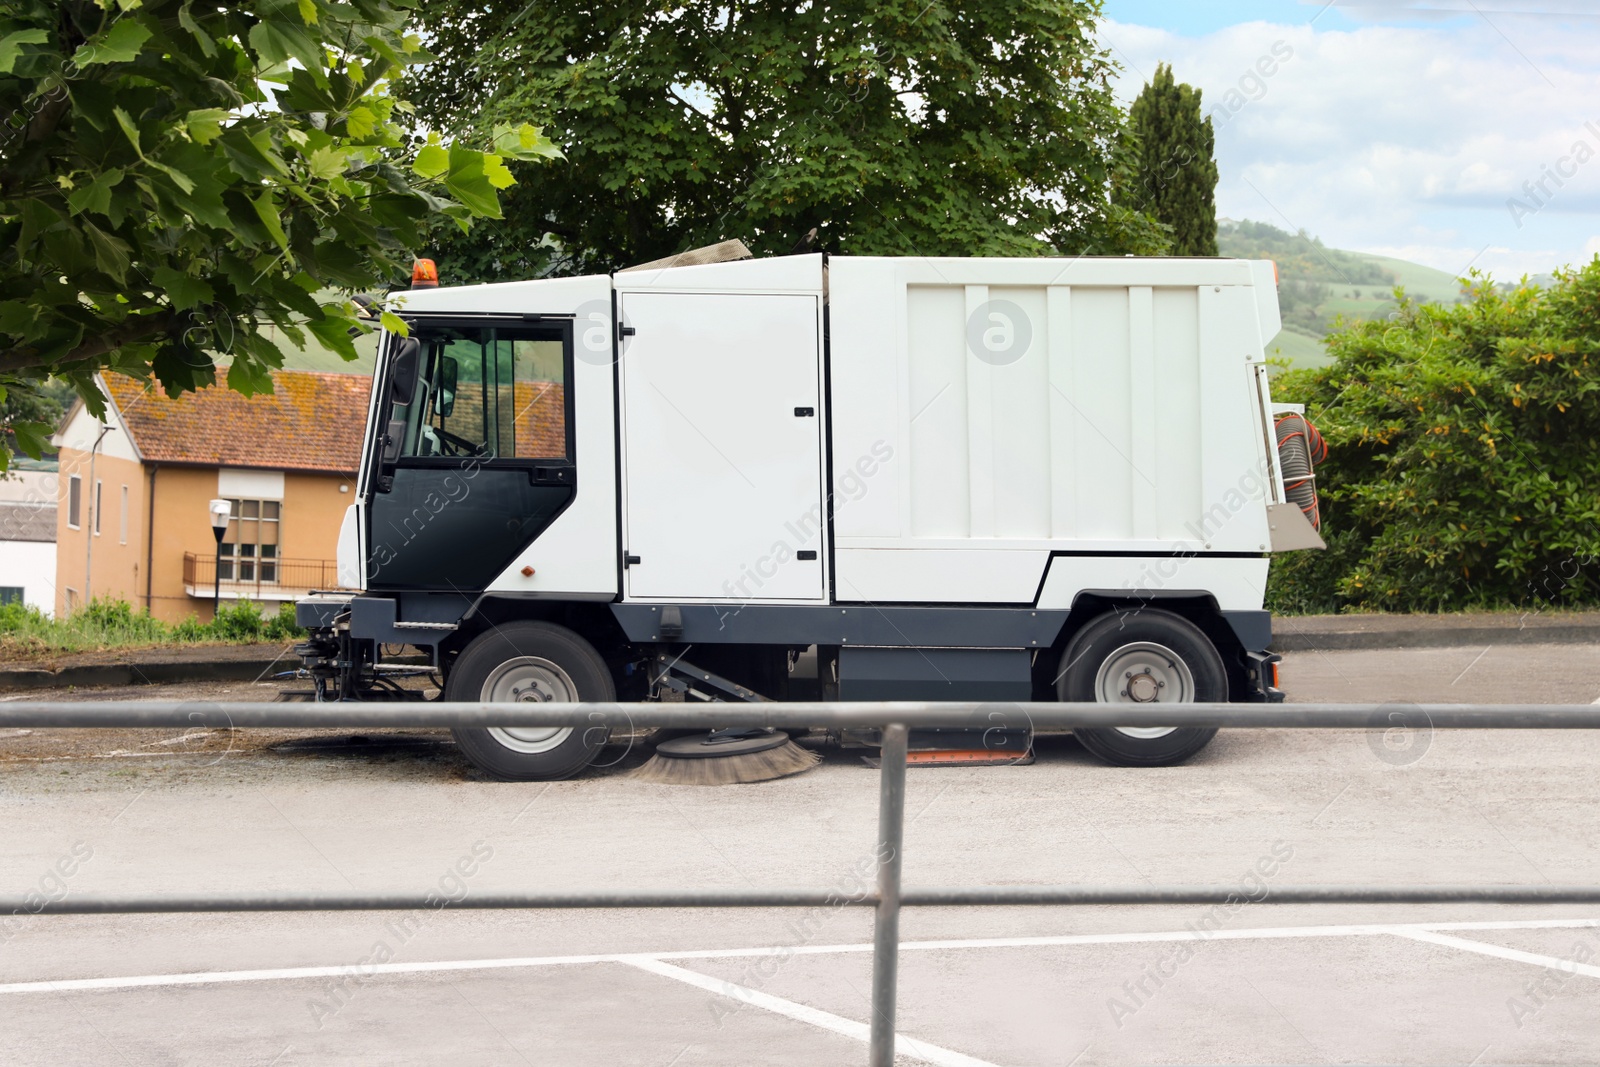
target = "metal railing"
x: 278, y: 577
x: 894, y: 719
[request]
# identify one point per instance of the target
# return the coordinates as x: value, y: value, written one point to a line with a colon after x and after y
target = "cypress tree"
x: 1175, y: 177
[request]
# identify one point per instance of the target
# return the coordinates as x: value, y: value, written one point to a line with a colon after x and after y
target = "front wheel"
x: 530, y: 662
x: 1148, y: 656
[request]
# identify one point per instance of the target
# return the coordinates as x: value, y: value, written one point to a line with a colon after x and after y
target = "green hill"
x: 1317, y: 285
x: 315, y: 357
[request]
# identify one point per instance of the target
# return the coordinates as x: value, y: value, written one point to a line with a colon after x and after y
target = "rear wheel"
x: 1142, y: 657
x: 538, y: 663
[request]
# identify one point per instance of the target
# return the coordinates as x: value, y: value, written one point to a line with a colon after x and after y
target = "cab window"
x: 488, y: 393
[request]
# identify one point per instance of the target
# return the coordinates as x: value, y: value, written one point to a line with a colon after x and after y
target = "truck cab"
x: 813, y: 477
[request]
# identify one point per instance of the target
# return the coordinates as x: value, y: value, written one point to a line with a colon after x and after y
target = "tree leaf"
x: 249, y: 377
x: 121, y: 44
x: 96, y: 196
x: 327, y: 163
x: 111, y: 253
x: 394, y: 324
x: 499, y: 175
x: 182, y: 290
x: 469, y: 182
x: 128, y: 128
x: 16, y: 316
x: 32, y: 437
x: 201, y: 37
x: 432, y: 161
x: 205, y: 124
x: 266, y: 206
x: 276, y: 41
x: 179, y: 178
x: 11, y: 46
x: 524, y: 142
x: 360, y: 122
x: 333, y: 332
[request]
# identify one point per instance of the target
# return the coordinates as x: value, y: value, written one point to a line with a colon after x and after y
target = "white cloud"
x: 1387, y: 138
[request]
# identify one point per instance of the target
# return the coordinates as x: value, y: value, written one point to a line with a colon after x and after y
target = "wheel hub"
x: 1144, y: 672
x: 529, y: 680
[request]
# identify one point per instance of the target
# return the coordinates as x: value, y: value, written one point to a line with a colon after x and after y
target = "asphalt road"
x: 84, y: 812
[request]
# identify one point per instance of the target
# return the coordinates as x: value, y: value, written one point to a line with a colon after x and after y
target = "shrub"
x: 116, y: 622
x: 16, y: 617
x: 191, y: 630
x: 282, y: 627
x: 1462, y: 471
x: 239, y: 621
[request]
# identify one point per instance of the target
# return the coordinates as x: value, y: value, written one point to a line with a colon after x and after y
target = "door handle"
x: 551, y: 475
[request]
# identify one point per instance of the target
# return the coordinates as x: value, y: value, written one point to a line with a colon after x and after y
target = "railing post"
x: 886, y: 924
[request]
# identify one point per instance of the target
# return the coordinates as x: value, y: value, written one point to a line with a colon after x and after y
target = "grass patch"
x: 107, y: 624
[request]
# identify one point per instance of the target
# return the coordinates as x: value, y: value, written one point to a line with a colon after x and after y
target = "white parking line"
x: 1567, y: 966
x: 903, y: 1045
x: 427, y: 966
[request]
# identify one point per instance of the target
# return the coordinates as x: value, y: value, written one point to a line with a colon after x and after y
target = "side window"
x: 489, y: 393
x: 539, y: 400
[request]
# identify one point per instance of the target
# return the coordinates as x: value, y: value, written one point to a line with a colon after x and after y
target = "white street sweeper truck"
x: 823, y: 478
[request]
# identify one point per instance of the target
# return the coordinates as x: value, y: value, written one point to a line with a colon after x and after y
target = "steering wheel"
x: 452, y: 445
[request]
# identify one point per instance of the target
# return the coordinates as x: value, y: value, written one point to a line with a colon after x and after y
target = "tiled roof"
x: 540, y: 413
x: 541, y: 419
x: 26, y: 521
x: 312, y: 421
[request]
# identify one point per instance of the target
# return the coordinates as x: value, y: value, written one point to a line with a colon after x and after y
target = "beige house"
x: 132, y: 519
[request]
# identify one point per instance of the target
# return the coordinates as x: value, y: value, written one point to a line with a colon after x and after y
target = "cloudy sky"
x: 1402, y: 127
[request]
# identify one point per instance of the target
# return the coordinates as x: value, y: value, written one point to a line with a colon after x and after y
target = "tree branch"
x: 709, y: 120
x: 145, y: 326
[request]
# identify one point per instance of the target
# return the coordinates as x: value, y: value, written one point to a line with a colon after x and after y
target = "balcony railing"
x: 258, y: 579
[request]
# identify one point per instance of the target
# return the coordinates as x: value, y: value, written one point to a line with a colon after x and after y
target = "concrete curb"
x: 106, y: 674
x: 1340, y: 633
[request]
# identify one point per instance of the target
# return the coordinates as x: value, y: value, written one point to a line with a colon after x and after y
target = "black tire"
x: 551, y: 663
x: 1173, y: 654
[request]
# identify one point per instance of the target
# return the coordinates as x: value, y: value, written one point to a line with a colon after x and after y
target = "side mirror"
x: 404, y: 366
x: 445, y: 400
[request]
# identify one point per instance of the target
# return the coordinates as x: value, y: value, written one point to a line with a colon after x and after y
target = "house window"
x: 97, y: 497
x: 10, y: 594
x: 74, y: 501
x: 249, y: 552
x: 122, y: 518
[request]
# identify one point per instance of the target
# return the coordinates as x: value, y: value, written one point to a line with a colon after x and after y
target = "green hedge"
x: 1463, y: 467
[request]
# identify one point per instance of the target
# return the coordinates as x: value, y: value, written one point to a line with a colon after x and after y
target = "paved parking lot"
x: 145, y: 811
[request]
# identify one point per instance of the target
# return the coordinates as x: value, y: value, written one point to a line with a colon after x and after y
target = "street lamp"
x: 220, y: 512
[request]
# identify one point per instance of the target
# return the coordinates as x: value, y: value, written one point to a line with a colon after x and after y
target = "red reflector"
x: 1275, y: 684
x: 424, y: 274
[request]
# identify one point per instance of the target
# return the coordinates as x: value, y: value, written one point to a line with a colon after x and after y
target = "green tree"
x: 1462, y: 470
x: 1175, y: 178
x: 888, y: 126
x: 178, y: 176
x: 31, y: 408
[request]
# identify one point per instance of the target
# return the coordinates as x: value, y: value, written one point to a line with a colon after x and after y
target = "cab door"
x: 722, y: 446
x: 474, y: 450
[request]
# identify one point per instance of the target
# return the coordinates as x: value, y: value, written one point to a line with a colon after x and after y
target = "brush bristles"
x: 788, y: 758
